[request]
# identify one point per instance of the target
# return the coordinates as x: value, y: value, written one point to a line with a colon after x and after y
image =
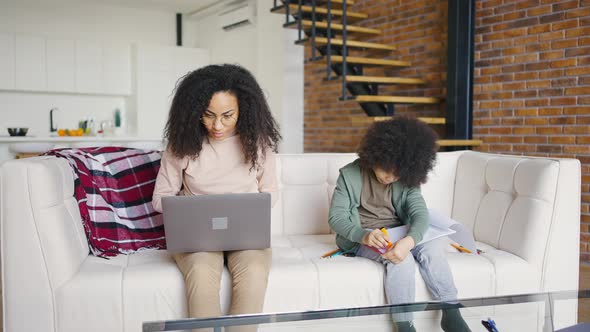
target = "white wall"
x: 87, y: 20
x: 236, y: 46
x: 81, y: 21
x: 293, y: 98
x: 267, y: 50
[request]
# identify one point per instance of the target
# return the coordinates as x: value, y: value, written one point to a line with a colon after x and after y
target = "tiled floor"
x: 583, y: 306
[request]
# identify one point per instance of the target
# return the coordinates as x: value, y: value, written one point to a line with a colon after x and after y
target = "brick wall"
x: 532, y: 83
x: 532, y: 79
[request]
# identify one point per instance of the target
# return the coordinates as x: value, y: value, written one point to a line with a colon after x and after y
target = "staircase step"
x: 359, y: 120
x: 396, y: 99
x: 368, y: 61
x: 325, y: 3
x: 383, y: 80
x: 349, y: 43
x: 350, y: 16
x: 321, y: 25
x: 459, y: 142
x: 335, y: 2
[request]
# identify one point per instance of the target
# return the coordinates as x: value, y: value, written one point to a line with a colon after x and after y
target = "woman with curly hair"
x: 381, y: 189
x: 222, y: 138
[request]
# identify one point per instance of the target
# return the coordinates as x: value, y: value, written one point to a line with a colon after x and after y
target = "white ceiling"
x: 173, y: 6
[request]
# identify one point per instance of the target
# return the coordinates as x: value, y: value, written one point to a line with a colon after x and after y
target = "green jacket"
x: 344, y: 219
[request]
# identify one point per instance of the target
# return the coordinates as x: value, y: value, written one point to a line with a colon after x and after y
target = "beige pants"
x: 202, y: 275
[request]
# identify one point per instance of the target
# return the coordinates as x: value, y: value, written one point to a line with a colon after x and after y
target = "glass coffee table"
x: 551, y: 311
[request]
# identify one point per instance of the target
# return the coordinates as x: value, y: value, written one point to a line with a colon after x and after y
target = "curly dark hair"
x: 256, y: 126
x: 403, y: 145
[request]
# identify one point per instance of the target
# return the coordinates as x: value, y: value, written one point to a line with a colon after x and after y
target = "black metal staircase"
x: 325, y: 25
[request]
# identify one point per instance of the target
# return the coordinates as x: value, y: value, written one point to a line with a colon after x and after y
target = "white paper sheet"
x: 440, y: 225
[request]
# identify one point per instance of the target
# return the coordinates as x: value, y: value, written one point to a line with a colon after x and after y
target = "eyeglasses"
x: 226, y: 119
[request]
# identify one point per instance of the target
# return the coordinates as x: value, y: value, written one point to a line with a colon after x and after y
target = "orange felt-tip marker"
x: 330, y: 253
x: 384, y: 231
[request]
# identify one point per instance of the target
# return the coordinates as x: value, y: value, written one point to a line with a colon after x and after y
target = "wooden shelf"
x: 396, y: 99
x: 321, y: 25
x: 383, y: 80
x: 349, y: 43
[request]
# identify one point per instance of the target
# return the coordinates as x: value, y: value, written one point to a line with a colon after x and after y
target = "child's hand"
x: 400, y: 250
x: 376, y: 239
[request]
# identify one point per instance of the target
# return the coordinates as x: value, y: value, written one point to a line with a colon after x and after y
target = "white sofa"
x: 524, y: 213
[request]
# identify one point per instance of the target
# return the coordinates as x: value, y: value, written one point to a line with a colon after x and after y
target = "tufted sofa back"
x: 306, y: 183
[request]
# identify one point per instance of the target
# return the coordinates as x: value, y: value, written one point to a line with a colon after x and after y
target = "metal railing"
x: 329, y: 36
x: 344, y: 50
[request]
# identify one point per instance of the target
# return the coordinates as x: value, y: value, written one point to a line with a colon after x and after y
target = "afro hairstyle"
x: 404, y: 146
x: 256, y: 126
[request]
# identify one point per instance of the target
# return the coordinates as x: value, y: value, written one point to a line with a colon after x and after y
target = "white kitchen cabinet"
x: 7, y: 61
x: 117, y: 69
x: 30, y: 64
x: 36, y: 63
x: 103, y: 68
x: 89, y: 66
x: 60, y: 65
x: 154, y: 100
x: 157, y: 72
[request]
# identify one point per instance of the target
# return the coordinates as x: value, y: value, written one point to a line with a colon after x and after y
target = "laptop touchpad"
x: 219, y: 223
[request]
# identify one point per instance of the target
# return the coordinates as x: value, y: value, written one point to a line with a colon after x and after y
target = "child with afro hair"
x: 381, y: 189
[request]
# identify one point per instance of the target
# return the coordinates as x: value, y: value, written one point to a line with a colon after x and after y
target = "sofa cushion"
x: 292, y: 282
x: 114, y: 187
x: 311, y: 282
x: 512, y: 274
x: 117, y: 294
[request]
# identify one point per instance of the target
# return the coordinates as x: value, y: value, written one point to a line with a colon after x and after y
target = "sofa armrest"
x: 42, y: 240
x: 562, y: 252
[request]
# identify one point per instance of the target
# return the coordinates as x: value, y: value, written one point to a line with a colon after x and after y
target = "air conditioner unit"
x: 237, y: 17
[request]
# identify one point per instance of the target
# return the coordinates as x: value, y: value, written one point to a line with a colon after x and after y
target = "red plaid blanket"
x: 114, y: 187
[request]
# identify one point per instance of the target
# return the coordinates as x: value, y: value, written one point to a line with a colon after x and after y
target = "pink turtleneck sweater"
x: 219, y: 169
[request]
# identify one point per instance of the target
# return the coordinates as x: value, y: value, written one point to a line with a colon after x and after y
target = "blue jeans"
x: 400, y: 285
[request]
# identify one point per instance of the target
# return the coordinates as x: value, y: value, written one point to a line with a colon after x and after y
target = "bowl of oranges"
x: 70, y: 132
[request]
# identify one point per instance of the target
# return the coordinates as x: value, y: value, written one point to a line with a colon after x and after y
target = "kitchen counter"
x: 13, y: 146
x: 57, y: 139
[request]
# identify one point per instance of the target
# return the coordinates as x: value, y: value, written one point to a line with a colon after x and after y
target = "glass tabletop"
x: 550, y: 311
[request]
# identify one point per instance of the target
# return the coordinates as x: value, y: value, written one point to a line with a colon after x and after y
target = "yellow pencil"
x: 460, y: 248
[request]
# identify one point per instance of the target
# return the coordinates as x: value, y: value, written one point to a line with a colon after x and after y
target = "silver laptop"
x: 217, y: 222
